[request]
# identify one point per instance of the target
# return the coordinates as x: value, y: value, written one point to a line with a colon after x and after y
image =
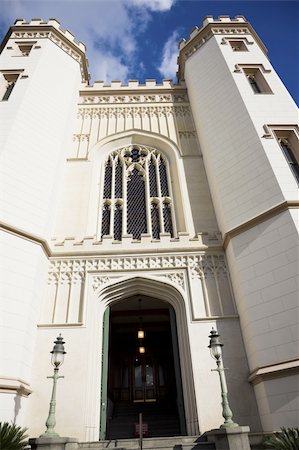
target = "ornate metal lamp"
x: 216, y: 353
x: 57, y: 360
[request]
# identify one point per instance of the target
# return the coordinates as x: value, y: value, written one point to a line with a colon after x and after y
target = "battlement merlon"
x: 131, y: 87
x: 223, y: 25
x: 38, y: 29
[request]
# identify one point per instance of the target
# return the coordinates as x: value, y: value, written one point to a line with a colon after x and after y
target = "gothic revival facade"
x: 136, y: 217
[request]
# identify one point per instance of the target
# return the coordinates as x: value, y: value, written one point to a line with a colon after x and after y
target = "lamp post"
x: 216, y: 353
x: 56, y: 359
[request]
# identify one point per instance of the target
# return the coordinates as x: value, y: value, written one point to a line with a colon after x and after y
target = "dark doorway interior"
x: 141, y: 372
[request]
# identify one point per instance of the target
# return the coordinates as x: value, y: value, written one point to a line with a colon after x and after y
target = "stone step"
x: 161, y: 443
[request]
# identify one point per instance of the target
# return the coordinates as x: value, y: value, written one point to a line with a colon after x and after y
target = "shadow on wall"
x: 17, y: 408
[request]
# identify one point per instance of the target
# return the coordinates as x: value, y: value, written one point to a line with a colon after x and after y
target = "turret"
x: 41, y: 71
x: 246, y: 125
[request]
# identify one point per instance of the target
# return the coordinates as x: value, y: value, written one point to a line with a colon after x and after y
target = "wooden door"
x: 144, y: 379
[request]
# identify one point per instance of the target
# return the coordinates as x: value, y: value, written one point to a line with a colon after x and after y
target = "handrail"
x: 140, y: 431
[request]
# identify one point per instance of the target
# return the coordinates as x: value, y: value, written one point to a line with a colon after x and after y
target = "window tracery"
x: 136, y: 195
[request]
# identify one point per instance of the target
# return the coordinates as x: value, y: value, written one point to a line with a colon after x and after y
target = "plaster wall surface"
x: 278, y: 402
x: 264, y: 270
x: 32, y: 158
x: 23, y: 274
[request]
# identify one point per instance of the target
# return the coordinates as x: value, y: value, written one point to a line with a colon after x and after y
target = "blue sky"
x: 137, y: 39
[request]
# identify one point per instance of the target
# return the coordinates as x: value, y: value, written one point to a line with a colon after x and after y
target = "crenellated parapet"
x: 64, y: 39
x: 223, y: 25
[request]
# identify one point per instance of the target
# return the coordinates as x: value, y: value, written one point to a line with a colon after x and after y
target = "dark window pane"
x: 107, y: 180
x: 8, y: 90
x: 167, y: 219
x: 136, y: 206
x: 152, y: 178
x: 118, y: 180
x: 254, y: 84
x: 118, y: 215
x: 290, y: 157
x: 163, y: 179
x: 155, y: 221
x: 106, y: 220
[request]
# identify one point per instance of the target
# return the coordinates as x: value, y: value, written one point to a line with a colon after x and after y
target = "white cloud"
x: 108, y: 67
x: 168, y: 66
x: 153, y: 5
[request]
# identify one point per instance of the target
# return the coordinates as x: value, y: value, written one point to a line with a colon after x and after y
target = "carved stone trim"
x: 136, y: 98
x: 200, y: 265
x: 130, y: 111
x: 187, y: 134
x: 80, y: 137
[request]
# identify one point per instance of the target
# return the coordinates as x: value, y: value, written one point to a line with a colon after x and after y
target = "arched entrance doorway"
x: 142, y: 372
x: 163, y: 295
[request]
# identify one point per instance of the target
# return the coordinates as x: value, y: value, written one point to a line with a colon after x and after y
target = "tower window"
x: 290, y: 157
x: 8, y: 84
x: 136, y: 195
x: 238, y: 46
x: 257, y: 81
x: 25, y: 49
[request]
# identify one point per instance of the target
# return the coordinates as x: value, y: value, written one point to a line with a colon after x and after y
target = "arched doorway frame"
x: 162, y: 290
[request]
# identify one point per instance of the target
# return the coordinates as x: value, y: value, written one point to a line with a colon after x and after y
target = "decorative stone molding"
x: 129, y: 111
x: 14, y: 386
x: 138, y: 98
x: 187, y: 134
x: 176, y: 278
x: 81, y: 137
x: 99, y: 281
x: 200, y: 264
x: 239, y: 67
x: 281, y: 369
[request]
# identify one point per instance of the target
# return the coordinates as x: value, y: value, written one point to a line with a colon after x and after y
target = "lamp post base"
x: 45, y: 442
x: 232, y: 438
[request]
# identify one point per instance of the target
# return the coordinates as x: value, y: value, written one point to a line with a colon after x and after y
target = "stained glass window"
x: 133, y: 176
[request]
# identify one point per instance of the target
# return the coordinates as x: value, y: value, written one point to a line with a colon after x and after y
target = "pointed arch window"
x: 136, y: 195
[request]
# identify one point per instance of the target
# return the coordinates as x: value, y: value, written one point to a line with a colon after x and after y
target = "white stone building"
x: 172, y: 207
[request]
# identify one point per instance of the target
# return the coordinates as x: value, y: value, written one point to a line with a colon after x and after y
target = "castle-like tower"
x: 162, y: 208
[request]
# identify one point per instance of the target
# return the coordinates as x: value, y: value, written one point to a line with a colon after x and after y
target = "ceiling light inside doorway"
x: 140, y: 334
